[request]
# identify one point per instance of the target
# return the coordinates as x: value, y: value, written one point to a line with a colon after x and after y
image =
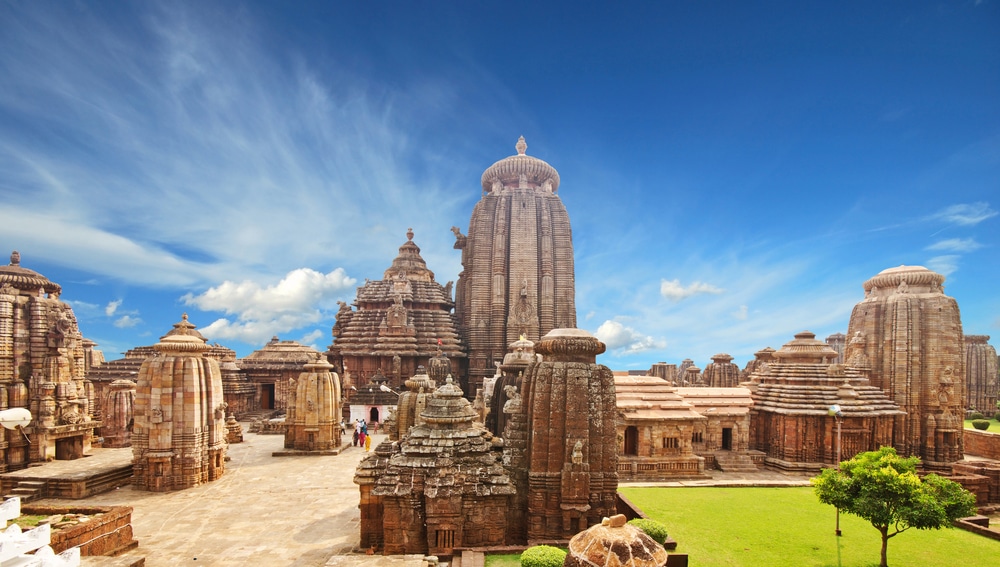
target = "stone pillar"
x: 116, y: 411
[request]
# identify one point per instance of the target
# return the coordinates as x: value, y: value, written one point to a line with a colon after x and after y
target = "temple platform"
x: 99, y: 471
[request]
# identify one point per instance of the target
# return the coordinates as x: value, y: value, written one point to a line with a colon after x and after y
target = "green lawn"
x: 994, y: 425
x: 789, y: 527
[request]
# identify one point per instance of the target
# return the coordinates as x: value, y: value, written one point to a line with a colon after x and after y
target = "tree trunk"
x: 885, y: 546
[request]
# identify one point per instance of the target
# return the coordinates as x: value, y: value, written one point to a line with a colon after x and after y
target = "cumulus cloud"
x: 966, y: 214
x: 675, y: 291
x: 956, y: 245
x: 741, y: 313
x: 626, y: 340
x: 111, y: 307
x: 127, y: 322
x: 263, y: 311
x: 945, y: 265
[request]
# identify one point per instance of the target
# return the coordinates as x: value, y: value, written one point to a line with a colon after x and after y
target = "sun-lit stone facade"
x: 441, y: 487
x: 402, y: 321
x: 572, y: 457
x: 117, y: 407
x: 179, y: 434
x: 271, y: 370
x: 981, y: 369
x: 517, y: 259
x: 721, y: 373
x: 43, y: 363
x: 906, y: 334
x: 791, y: 421
x: 723, y: 438
x: 760, y: 358
x: 412, y: 403
x: 312, y: 423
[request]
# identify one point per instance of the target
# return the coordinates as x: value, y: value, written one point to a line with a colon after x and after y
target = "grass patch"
x: 736, y: 527
x: 505, y: 560
x: 994, y: 425
x: 28, y: 520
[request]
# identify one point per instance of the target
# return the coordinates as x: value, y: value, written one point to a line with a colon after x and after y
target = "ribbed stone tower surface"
x: 117, y: 410
x: 312, y: 422
x: 790, y: 421
x: 760, y: 358
x: 521, y: 354
x: 908, y: 335
x: 722, y: 373
x: 412, y: 403
x: 517, y: 261
x: 569, y: 400
x: 838, y: 342
x: 179, y: 434
x: 981, y: 369
x: 43, y: 363
x: 402, y: 321
x: 441, y: 487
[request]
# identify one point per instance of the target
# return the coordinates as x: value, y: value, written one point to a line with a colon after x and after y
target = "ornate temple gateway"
x: 517, y: 261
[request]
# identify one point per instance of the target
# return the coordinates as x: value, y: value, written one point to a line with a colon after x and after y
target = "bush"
x: 652, y: 528
x: 981, y: 424
x: 543, y: 556
x: 976, y: 415
x: 996, y: 416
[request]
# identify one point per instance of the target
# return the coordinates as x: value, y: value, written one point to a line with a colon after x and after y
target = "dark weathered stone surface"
x: 906, y: 336
x: 981, y: 369
x: 518, y: 276
x: 116, y: 411
x: 722, y: 373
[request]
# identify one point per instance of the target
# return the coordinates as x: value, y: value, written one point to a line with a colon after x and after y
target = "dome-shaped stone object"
x: 614, y: 543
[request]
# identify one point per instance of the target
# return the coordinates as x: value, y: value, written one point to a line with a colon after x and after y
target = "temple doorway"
x: 631, y: 440
x: 69, y: 448
x: 373, y: 415
x: 267, y: 396
x: 727, y: 438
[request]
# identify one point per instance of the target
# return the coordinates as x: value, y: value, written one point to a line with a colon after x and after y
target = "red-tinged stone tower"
x: 722, y: 373
x: 981, y: 368
x: 179, y: 433
x: 907, y: 334
x: 312, y: 423
x: 517, y: 260
x: 569, y: 402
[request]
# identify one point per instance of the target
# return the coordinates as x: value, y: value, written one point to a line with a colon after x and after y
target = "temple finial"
x: 521, y: 146
x: 409, y: 234
x: 15, y: 258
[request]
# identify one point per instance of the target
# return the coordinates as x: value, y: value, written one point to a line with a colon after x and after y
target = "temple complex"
x: 792, y: 421
x: 401, y: 322
x: 721, y: 373
x: 43, y: 363
x: 723, y: 437
x: 442, y: 486
x: 906, y: 336
x: 179, y: 433
x: 656, y: 431
x: 312, y: 422
x: 271, y: 370
x: 517, y: 259
x: 981, y: 369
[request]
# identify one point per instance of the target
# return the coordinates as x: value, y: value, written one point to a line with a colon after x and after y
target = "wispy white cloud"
x: 626, y: 340
x: 127, y: 322
x: 262, y: 311
x: 741, y: 313
x: 956, y: 245
x: 966, y: 214
x: 675, y: 291
x: 945, y: 265
x: 111, y: 307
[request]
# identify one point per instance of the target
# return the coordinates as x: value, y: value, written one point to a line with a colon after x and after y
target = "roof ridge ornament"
x: 15, y: 256
x: 521, y: 146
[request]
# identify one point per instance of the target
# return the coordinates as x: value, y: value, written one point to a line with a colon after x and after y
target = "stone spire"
x: 518, y: 275
x: 907, y: 334
x: 981, y: 367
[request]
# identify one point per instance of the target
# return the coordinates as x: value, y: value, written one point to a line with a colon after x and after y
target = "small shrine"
x: 312, y: 423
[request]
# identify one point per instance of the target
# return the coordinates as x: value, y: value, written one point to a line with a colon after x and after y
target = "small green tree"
x: 883, y: 488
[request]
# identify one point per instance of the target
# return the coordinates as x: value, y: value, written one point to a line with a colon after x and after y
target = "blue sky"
x: 733, y: 171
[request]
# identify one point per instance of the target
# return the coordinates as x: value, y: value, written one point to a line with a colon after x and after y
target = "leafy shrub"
x: 981, y: 424
x: 652, y: 528
x: 976, y: 415
x: 996, y: 416
x: 543, y: 556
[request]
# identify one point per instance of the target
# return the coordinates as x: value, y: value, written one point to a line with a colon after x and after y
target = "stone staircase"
x: 728, y: 461
x: 28, y: 490
x: 469, y: 558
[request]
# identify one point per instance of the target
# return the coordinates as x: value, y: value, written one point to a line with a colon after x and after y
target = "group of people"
x: 361, y: 437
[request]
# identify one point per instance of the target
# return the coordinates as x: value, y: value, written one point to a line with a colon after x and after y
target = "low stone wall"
x: 109, y: 532
x: 982, y: 444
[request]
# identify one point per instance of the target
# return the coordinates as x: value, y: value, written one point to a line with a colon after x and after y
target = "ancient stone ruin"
x: 792, y: 422
x: 722, y: 373
x: 312, y: 423
x: 517, y: 277
x: 117, y: 408
x: 179, y: 434
x: 272, y: 368
x: 906, y: 336
x: 981, y: 369
x: 43, y: 368
x: 614, y: 543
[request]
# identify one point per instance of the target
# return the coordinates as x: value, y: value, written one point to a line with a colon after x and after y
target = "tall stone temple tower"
x: 906, y: 335
x: 517, y: 260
